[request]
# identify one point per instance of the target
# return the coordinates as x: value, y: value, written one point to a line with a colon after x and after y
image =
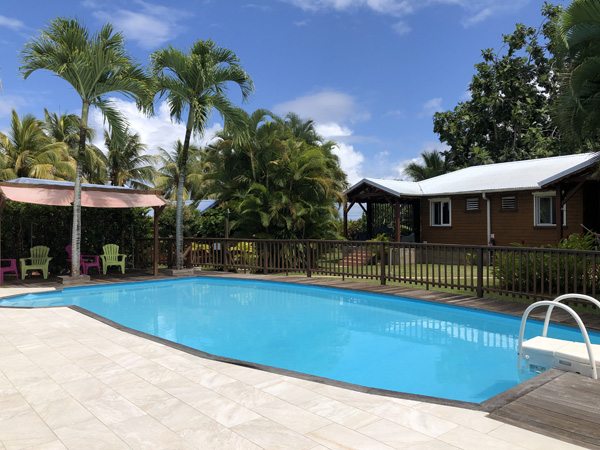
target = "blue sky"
x: 370, y: 73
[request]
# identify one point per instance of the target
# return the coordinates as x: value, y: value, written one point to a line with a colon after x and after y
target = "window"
x: 509, y: 203
x: 472, y: 204
x: 440, y: 212
x: 545, y: 210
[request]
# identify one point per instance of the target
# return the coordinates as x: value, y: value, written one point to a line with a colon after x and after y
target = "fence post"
x: 265, y: 260
x: 480, y: 272
x: 224, y: 250
x: 382, y: 265
x: 308, y: 259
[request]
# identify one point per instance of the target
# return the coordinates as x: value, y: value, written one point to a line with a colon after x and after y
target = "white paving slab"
x: 69, y: 381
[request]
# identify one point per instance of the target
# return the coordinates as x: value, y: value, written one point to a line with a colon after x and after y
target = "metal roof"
x: 39, y: 181
x: 511, y: 176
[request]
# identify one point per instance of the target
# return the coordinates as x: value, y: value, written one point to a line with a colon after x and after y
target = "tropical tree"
x: 94, y: 65
x: 508, y: 116
x: 127, y: 163
x: 27, y: 151
x: 434, y: 164
x: 578, y: 43
x: 283, y: 186
x: 170, y: 164
x: 196, y: 82
x: 63, y: 130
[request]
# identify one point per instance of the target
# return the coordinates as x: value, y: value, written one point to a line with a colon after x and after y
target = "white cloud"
x: 398, y: 170
x: 475, y: 11
x: 301, y: 23
x: 394, y: 7
x: 324, y: 107
x: 10, y: 102
x: 156, y: 131
x: 401, y: 28
x: 395, y: 113
x: 331, y: 111
x: 148, y: 24
x: 332, y: 130
x: 350, y: 161
x: 13, y: 24
x: 430, y: 107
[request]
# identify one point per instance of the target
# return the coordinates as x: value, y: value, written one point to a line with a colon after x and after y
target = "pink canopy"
x: 92, y: 197
x: 60, y: 193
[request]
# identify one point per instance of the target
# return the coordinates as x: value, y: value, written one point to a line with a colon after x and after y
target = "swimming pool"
x: 372, y: 340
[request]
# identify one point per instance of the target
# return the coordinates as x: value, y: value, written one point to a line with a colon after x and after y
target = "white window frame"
x: 536, y: 210
x: 440, y: 201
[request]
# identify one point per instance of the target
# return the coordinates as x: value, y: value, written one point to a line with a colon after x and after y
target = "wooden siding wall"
x: 470, y: 227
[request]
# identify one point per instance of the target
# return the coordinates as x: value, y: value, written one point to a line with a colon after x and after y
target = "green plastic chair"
x: 112, y: 257
x: 39, y: 260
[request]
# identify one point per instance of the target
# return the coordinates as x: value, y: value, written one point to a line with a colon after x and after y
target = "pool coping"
x: 490, y: 405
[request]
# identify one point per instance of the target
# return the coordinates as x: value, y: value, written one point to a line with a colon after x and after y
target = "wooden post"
x: 480, y: 272
x: 345, y: 207
x: 398, y: 222
x: 265, y: 259
x: 308, y: 259
x: 558, y: 213
x: 382, y: 265
x: 370, y: 220
x: 157, y: 212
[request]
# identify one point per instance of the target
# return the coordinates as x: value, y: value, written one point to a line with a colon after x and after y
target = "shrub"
x: 553, y: 271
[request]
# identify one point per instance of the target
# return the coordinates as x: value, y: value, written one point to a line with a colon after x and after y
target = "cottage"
x: 535, y: 202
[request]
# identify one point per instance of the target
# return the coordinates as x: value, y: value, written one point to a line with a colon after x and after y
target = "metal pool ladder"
x: 542, y: 352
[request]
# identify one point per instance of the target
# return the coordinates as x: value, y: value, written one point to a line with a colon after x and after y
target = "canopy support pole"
x: 157, y: 212
x: 3, y: 200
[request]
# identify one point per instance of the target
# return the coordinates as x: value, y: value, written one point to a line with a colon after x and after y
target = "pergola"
x: 61, y: 193
x: 401, y: 201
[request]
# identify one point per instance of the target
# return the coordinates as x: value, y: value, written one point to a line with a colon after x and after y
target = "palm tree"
x: 197, y: 82
x: 434, y: 165
x: 170, y: 167
x: 28, y: 152
x: 63, y: 130
x: 127, y: 165
x: 95, y: 66
x: 578, y: 36
x: 276, y: 184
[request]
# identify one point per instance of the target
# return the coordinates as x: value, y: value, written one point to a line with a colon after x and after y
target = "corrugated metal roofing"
x: 510, y: 176
x: 25, y: 180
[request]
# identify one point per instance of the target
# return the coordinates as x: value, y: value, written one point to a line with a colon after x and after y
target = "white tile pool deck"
x: 70, y: 381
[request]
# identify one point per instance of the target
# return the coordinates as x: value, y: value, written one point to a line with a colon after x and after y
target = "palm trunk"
x: 76, y: 230
x: 180, y: 187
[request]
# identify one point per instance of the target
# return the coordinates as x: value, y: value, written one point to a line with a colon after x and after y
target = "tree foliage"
x: 27, y: 151
x: 170, y: 163
x: 196, y: 82
x: 434, y: 164
x: 281, y: 181
x: 578, y: 42
x: 508, y: 116
x: 127, y: 163
x: 95, y: 65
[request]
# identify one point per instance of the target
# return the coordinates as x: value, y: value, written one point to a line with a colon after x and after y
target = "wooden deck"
x: 558, y: 404
x: 566, y: 406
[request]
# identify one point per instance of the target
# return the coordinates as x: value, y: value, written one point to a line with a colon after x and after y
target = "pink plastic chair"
x: 85, y: 261
x: 12, y: 267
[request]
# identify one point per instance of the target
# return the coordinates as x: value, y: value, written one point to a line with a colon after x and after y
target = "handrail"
x: 567, y: 297
x: 552, y: 304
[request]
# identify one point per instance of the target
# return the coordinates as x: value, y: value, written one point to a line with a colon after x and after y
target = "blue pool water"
x: 372, y: 340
